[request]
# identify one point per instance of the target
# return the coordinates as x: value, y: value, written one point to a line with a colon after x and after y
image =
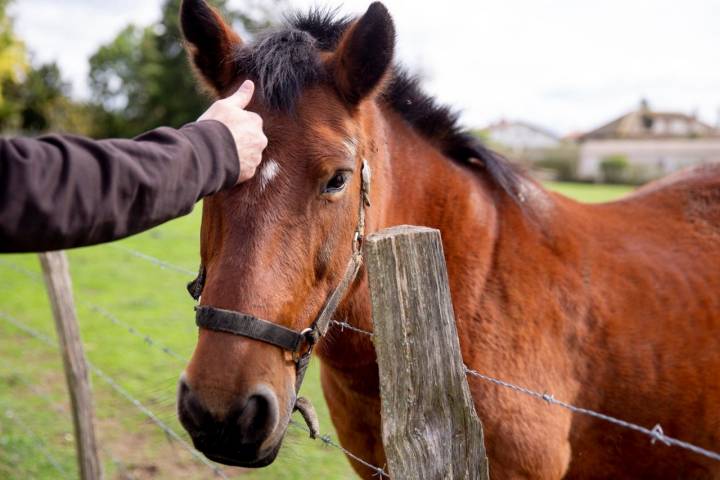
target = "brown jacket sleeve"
x: 60, y: 192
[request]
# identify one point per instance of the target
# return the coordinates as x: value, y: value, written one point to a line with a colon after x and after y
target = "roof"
x: 647, y: 124
x: 502, y: 124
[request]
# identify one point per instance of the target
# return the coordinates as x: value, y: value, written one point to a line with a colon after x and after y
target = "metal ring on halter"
x: 309, y: 335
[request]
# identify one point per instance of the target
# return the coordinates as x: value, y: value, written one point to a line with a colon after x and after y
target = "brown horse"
x: 613, y: 307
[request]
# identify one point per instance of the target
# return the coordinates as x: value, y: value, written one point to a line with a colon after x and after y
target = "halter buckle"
x: 310, y: 339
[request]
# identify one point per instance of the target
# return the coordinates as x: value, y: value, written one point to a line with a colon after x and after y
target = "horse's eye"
x: 337, y: 182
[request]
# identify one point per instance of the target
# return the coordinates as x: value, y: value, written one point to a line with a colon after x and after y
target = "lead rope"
x: 321, y: 325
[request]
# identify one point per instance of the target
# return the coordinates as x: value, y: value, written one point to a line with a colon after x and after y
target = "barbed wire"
x: 27, y: 329
x: 103, y: 312
x: 327, y: 440
x: 656, y: 434
x: 51, y: 402
x: 124, y: 393
x: 133, y: 331
x: 17, y: 268
x: 346, y: 326
x: 153, y: 418
x: 39, y: 442
x: 154, y: 260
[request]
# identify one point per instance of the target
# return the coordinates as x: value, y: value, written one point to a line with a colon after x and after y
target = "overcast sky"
x: 567, y: 65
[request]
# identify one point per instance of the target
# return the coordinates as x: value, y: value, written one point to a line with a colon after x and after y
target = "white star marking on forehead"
x: 267, y: 173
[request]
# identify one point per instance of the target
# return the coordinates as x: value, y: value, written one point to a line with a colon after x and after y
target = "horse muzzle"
x: 243, y: 436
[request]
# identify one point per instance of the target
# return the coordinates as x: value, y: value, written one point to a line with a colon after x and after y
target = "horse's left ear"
x: 364, y: 55
x: 211, y: 43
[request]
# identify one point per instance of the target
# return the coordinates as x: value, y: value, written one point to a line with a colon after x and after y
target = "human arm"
x: 63, y: 191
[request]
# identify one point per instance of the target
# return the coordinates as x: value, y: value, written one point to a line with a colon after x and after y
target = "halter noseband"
x: 300, y: 344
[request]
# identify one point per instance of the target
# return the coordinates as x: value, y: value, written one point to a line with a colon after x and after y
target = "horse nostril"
x: 193, y: 415
x: 183, y: 387
x: 258, y: 417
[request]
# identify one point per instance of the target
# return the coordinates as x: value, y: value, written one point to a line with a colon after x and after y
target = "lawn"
x: 590, y: 193
x: 119, y: 293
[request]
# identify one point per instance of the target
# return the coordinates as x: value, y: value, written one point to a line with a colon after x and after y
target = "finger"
x: 244, y: 94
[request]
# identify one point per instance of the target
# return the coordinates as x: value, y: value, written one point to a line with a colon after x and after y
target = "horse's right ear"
x: 211, y: 43
x: 364, y: 55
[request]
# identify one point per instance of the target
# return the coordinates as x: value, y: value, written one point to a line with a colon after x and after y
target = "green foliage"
x: 33, y: 99
x: 614, y: 168
x: 13, y: 60
x: 41, y: 103
x: 13, y: 56
x: 564, y: 168
x: 142, y: 79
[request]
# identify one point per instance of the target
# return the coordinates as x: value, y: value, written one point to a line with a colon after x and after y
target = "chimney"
x: 644, y: 105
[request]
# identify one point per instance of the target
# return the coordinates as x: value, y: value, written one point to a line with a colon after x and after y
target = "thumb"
x: 244, y: 94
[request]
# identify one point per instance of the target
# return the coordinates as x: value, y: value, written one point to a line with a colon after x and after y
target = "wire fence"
x: 148, y: 340
x: 654, y: 434
x: 166, y: 429
x: 41, y: 445
x: 52, y: 404
x: 327, y: 440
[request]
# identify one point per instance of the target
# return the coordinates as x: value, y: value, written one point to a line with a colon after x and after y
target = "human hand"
x: 245, y: 127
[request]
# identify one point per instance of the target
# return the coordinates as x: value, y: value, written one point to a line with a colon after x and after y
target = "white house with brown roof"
x: 653, y: 143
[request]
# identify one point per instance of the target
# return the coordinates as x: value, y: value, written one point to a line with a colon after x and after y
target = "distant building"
x: 653, y: 143
x: 520, y: 136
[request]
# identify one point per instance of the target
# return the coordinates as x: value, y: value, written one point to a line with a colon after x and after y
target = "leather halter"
x: 300, y: 344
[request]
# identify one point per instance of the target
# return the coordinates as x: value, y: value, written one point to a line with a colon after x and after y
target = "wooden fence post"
x: 59, y: 287
x: 429, y: 425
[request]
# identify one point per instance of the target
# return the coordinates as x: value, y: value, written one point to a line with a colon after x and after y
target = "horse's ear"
x: 211, y: 43
x: 364, y: 54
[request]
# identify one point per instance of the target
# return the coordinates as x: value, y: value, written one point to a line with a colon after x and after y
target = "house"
x: 651, y: 143
x: 519, y: 137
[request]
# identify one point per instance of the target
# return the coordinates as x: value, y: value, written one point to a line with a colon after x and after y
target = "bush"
x: 614, y: 168
x: 565, y: 168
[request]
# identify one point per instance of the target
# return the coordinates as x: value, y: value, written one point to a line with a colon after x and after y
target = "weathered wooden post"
x: 59, y: 287
x: 429, y: 425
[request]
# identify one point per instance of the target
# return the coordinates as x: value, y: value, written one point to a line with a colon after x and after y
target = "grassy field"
x: 590, y: 193
x: 35, y: 426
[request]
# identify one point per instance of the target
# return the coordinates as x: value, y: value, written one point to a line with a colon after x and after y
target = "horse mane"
x: 287, y: 59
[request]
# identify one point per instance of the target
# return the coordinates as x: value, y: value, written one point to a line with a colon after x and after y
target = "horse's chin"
x: 245, y: 462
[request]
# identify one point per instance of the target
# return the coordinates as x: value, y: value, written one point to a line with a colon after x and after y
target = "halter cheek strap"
x: 300, y: 344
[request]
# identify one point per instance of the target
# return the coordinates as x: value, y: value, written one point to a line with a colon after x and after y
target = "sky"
x: 565, y: 65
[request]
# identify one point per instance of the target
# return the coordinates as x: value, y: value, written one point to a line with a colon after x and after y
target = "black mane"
x: 287, y: 59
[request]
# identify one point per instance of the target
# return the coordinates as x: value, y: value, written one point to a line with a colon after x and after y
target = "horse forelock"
x: 287, y: 60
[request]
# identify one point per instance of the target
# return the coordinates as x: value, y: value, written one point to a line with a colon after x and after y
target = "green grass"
x: 590, y: 193
x: 154, y: 302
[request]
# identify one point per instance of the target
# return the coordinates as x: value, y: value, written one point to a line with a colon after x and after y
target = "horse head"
x: 276, y: 247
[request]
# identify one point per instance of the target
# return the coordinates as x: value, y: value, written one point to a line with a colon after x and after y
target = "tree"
x: 33, y: 99
x: 614, y: 168
x: 142, y: 79
x: 13, y: 62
